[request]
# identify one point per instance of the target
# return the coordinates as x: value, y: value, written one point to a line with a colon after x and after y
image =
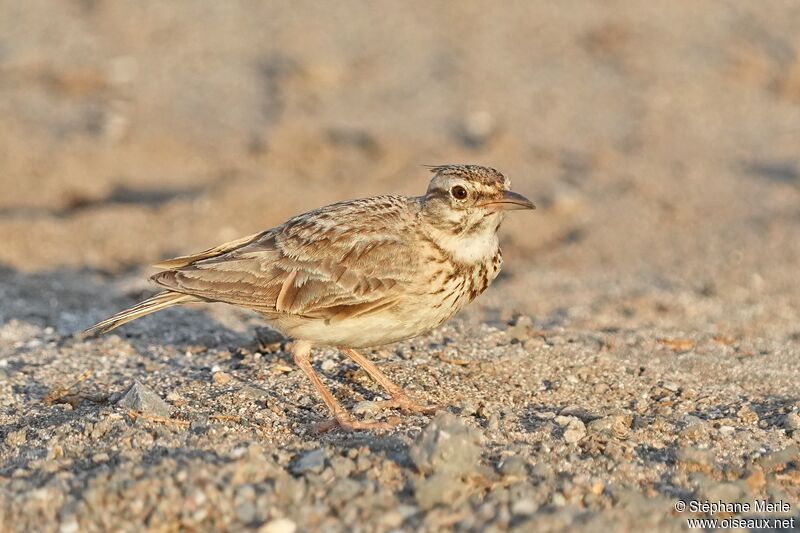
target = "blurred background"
x: 659, y: 140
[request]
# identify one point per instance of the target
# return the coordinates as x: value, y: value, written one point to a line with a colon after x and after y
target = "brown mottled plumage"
x: 355, y: 274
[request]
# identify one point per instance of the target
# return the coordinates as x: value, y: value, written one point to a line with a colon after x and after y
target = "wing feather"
x: 184, y: 260
x: 343, y: 260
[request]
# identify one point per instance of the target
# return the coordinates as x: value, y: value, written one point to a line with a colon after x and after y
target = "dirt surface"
x: 640, y: 347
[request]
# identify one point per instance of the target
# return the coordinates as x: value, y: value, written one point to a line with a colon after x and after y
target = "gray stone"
x: 792, y: 421
x: 558, y: 520
x: 447, y: 445
x: 313, y: 461
x: 342, y: 466
x: 468, y: 408
x: 244, y: 502
x: 777, y: 460
x: 695, y: 459
x: 339, y: 493
x: 140, y: 398
x: 513, y: 466
x: 366, y: 407
x: 290, y: 490
x: 441, y: 488
x: 695, y: 428
x: 391, y: 519
x: 617, y: 426
x: 521, y: 329
x: 562, y: 420
x: 670, y: 386
x: 245, y: 512
x: 104, y: 426
x: 69, y: 525
x: 574, y: 431
x: 524, y: 507
x: 544, y: 472
x: 724, y: 492
x: 254, y: 393
x: 578, y: 412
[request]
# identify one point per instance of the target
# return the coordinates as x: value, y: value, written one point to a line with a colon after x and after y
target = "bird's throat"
x: 472, y: 247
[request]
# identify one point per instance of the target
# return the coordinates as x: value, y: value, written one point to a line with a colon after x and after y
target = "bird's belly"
x: 425, y: 308
x: 370, y: 330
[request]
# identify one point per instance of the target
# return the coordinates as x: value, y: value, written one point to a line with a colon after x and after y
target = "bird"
x: 355, y: 274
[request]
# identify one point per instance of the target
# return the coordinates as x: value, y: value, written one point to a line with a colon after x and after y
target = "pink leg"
x: 398, y: 396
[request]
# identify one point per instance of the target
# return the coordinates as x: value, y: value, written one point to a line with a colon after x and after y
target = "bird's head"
x: 465, y: 199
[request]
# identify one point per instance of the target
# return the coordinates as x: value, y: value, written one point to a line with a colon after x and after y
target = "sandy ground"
x: 640, y: 347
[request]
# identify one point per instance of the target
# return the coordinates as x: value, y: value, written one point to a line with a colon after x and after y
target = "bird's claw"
x: 406, y: 404
x: 348, y: 424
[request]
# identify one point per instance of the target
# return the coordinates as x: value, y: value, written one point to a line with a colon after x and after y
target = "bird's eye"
x: 458, y: 192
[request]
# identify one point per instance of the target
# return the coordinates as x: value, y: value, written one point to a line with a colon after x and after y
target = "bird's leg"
x: 398, y: 397
x: 301, y: 350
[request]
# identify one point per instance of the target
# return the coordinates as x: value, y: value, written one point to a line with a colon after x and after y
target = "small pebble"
x: 342, y: 466
x: 525, y: 507
x: 221, y: 378
x: 468, y: 408
x: 792, y: 421
x: 278, y: 525
x: 366, y: 407
x: 17, y: 438
x: 173, y: 397
x: 513, y: 466
x: 447, y: 445
x: 575, y: 431
x: 670, y: 386
x: 776, y: 461
x: 313, y: 461
x: 695, y: 428
x: 439, y: 489
x: 694, y: 459
x: 141, y: 398
x: 69, y: 525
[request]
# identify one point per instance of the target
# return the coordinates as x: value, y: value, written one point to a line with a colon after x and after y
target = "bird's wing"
x: 336, y: 262
x: 185, y: 260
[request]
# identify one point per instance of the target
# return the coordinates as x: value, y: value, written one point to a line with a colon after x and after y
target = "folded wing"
x: 336, y: 262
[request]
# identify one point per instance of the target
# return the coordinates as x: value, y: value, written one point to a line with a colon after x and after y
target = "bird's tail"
x: 160, y: 301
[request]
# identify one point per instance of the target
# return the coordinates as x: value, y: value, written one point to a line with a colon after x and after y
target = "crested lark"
x: 355, y: 274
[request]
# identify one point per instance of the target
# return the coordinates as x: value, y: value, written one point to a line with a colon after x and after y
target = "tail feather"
x: 158, y: 302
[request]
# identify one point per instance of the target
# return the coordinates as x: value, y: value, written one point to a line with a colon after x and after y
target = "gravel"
x: 640, y: 345
x: 504, y: 452
x: 140, y: 398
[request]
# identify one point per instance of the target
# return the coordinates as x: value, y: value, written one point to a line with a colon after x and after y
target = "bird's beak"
x: 509, y: 202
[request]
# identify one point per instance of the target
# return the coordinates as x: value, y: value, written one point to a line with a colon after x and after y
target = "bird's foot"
x: 346, y: 423
x: 402, y: 401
